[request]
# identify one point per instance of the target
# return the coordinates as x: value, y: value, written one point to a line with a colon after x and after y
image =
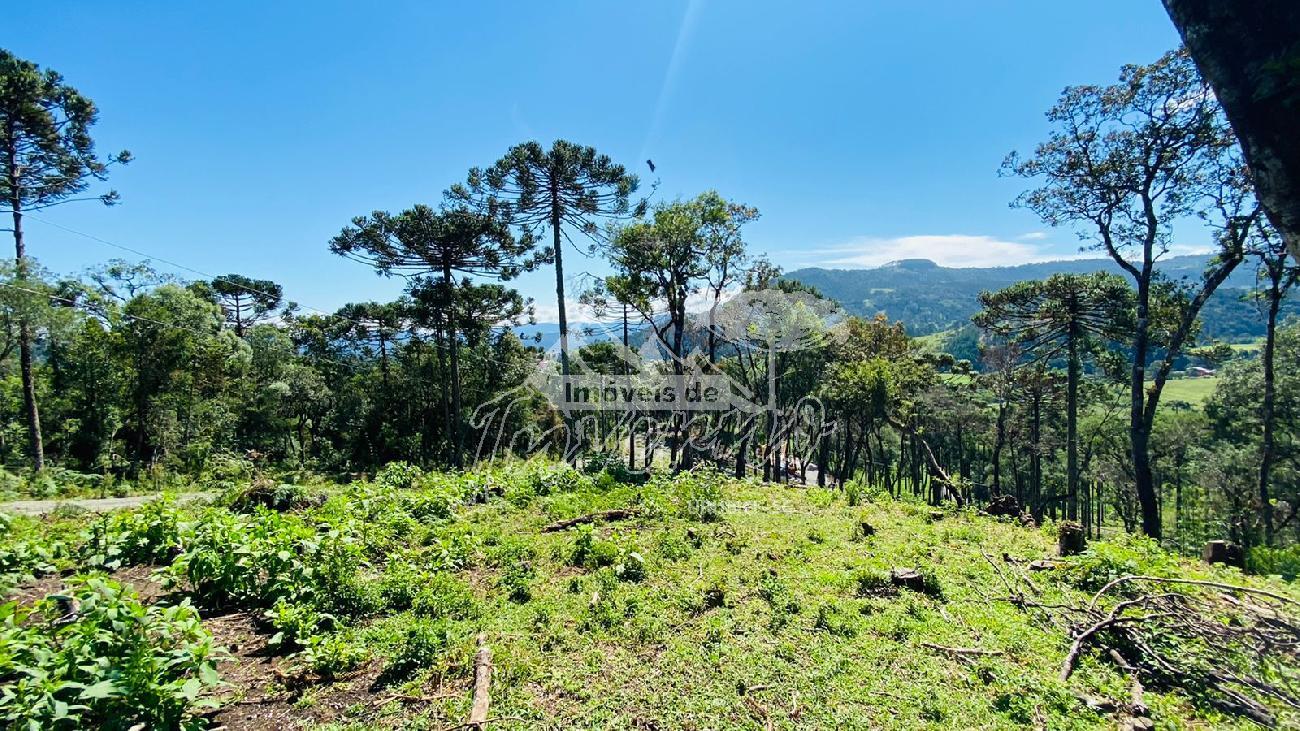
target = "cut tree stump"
x: 1070, y: 538
x: 1224, y: 552
x: 608, y: 515
x: 478, y: 714
x: 907, y: 579
x: 1003, y: 505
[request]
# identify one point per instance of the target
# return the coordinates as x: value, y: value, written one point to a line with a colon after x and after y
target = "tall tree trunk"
x: 1266, y: 448
x: 768, y: 447
x: 1072, y: 422
x: 823, y: 456
x: 557, y: 242
x: 1249, y: 52
x: 444, y: 392
x: 631, y: 426
x: 1139, y: 434
x: 454, y: 346
x: 1036, y: 455
x: 35, y: 442
x: 999, y: 441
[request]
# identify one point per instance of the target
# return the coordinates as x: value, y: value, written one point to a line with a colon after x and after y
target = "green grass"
x: 935, y: 342
x: 1190, y: 390
x: 720, y: 605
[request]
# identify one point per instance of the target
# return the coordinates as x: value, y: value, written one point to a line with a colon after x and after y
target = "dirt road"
x: 98, y: 505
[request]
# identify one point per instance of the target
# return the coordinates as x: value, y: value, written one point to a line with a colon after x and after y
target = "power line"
x: 140, y: 318
x: 176, y: 264
x: 88, y: 310
x: 215, y: 278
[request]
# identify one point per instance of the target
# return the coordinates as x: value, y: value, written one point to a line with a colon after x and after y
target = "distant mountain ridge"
x: 929, y: 298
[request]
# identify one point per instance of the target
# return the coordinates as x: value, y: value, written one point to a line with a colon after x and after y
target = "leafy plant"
x: 591, y: 552
x: 149, y: 534
x: 1284, y: 562
x: 334, y: 653
x: 398, y: 475
x: 421, y: 643
x: 109, y: 663
x: 445, y: 597
x: 699, y: 493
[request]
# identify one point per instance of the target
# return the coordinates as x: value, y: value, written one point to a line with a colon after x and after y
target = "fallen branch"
x: 961, y: 650
x: 1196, y: 582
x: 482, y: 683
x: 1112, y: 620
x: 607, y: 515
x: 1135, y: 693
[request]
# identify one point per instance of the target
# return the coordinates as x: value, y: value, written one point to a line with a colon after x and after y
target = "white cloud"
x: 950, y: 250
x: 1033, y: 236
x: 1185, y: 249
x: 574, y: 311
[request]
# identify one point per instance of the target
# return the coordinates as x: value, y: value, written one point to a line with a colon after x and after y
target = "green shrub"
x: 25, y: 551
x: 1105, y: 561
x: 832, y: 620
x: 614, y: 467
x: 631, y: 567
x: 517, y: 582
x: 605, y: 613
x: 422, y: 643
x: 699, y: 492
x: 778, y: 596
x: 331, y: 654
x: 517, y: 573
x: 873, y: 583
x: 398, y: 475
x: 401, y: 582
x: 430, y: 505
x: 295, y: 623
x: 853, y: 493
x: 556, y: 478
x: 590, y: 551
x: 1284, y: 562
x: 149, y: 534
x: 445, y: 597
x: 673, y: 547
x: 115, y: 664
x: 238, y: 561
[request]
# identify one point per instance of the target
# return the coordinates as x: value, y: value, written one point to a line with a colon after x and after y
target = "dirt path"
x: 98, y: 505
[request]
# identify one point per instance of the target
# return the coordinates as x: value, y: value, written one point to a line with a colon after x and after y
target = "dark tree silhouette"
x: 47, y: 158
x: 446, y: 242
x: 1249, y: 51
x: 1058, y: 316
x: 1123, y: 163
x: 566, y: 188
x: 246, y: 301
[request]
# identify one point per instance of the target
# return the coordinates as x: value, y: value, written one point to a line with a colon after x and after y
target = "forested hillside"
x: 929, y: 298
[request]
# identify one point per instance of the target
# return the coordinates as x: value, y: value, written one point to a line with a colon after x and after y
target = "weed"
x: 331, y: 654
x: 111, y: 663
x: 398, y: 475
x: 422, y: 643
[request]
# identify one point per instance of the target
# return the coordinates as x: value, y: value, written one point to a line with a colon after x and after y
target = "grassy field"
x: 1190, y: 390
x: 706, y: 603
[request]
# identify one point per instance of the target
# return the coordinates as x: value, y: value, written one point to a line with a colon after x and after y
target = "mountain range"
x: 928, y: 298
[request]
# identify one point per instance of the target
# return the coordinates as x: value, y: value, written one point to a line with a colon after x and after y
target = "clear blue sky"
x: 864, y: 131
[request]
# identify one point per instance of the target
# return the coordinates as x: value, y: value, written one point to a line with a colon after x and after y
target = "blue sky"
x: 863, y: 131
